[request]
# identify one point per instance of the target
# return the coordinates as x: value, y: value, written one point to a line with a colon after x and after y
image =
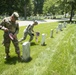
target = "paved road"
x: 23, y: 23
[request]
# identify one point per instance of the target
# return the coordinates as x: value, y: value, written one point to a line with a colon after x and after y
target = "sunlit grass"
x: 58, y: 57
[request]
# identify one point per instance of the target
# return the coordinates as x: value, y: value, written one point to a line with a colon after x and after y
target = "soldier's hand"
x: 15, y: 36
x: 5, y: 29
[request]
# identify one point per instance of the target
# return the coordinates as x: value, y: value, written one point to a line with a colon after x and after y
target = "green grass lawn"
x: 57, y: 57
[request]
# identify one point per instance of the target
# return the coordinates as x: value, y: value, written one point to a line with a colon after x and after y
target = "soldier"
x: 29, y: 31
x: 11, y: 29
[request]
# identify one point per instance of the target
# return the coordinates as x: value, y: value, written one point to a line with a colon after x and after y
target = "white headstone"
x: 25, y: 50
x: 43, y: 39
x: 60, y: 26
x: 64, y: 24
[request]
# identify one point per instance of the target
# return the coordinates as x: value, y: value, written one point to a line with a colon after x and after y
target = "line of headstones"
x: 58, y: 28
x: 26, y: 45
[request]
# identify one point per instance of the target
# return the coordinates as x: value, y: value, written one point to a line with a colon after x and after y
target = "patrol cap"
x: 35, y: 21
x: 16, y: 15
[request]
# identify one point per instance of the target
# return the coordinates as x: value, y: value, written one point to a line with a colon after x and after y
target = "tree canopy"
x: 34, y: 7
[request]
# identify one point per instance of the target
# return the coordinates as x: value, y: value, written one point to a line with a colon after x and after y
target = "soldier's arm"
x: 3, y: 28
x: 2, y: 25
x: 17, y: 29
x: 32, y: 28
x: 28, y: 27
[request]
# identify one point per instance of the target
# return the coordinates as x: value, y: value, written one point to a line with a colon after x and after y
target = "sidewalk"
x: 24, y: 23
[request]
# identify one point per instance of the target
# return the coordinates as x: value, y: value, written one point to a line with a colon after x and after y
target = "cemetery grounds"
x: 56, y: 57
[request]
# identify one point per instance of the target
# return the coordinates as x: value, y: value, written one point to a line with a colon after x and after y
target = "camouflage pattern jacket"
x: 29, y: 29
x: 13, y: 27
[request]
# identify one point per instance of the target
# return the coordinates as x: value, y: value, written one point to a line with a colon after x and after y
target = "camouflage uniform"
x: 28, y: 31
x: 14, y: 29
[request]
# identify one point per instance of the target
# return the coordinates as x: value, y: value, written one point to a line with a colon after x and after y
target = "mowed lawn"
x: 57, y: 57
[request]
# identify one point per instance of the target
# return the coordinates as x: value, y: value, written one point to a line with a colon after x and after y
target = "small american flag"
x: 37, y: 33
x: 11, y: 36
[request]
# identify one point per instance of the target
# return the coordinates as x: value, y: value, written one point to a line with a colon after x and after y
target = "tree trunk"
x: 25, y: 11
x: 71, y: 15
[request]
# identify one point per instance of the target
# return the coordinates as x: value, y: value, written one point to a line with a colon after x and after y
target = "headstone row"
x: 26, y: 45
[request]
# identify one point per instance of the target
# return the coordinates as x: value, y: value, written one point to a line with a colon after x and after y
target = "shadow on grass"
x: 43, y: 44
x: 14, y: 60
x: 11, y: 60
x: 27, y: 60
x: 33, y: 43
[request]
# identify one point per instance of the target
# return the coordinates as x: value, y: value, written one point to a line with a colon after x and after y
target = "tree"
x: 72, y: 4
x: 25, y: 6
x: 21, y: 6
x: 50, y: 6
x: 38, y: 6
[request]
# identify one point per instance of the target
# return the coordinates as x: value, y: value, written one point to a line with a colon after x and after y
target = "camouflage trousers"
x: 25, y: 35
x: 7, y: 42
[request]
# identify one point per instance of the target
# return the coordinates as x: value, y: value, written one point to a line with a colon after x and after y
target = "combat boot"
x: 7, y: 57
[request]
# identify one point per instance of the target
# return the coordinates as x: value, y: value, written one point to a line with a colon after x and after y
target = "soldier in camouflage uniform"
x: 29, y: 31
x: 10, y: 26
